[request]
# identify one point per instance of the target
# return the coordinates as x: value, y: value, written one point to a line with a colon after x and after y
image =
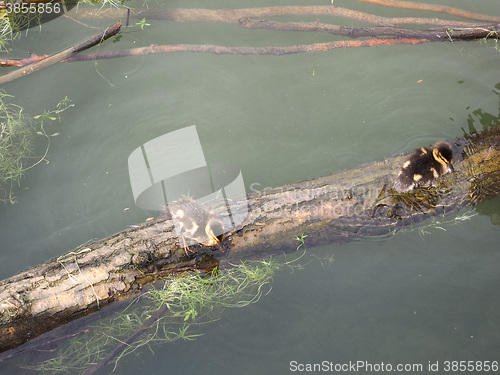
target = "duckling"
x: 424, y: 166
x: 197, y: 223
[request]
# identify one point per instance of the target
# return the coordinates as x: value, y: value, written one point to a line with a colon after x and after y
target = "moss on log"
x: 337, y: 208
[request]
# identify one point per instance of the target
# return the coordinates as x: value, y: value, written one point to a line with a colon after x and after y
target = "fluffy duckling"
x: 197, y: 223
x: 424, y: 166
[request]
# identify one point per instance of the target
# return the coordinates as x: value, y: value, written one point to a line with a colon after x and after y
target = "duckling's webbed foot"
x: 187, y: 250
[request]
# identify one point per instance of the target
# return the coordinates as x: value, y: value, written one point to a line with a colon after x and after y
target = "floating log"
x: 333, y: 209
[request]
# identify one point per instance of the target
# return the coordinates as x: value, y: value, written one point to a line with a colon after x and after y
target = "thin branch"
x: 222, y: 50
x: 52, y: 59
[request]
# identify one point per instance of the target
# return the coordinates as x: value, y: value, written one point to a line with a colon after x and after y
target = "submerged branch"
x: 52, y: 59
x: 222, y: 50
x: 451, y: 30
x: 129, y: 340
x: 458, y: 33
x: 271, y: 50
x: 434, y: 8
x: 399, y: 36
x: 235, y: 15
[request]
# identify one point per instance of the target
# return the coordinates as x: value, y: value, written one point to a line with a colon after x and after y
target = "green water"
x: 429, y: 293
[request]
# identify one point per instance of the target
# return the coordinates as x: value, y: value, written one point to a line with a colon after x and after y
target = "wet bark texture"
x: 331, y: 209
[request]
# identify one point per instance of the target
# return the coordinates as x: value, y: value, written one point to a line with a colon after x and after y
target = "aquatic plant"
x: 143, y: 23
x: 301, y: 239
x: 16, y: 146
x: 17, y: 136
x: 185, y: 302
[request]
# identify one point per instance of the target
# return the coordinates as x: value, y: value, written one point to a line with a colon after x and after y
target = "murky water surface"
x: 427, y: 294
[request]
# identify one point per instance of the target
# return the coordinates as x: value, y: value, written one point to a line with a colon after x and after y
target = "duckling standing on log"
x: 424, y: 166
x: 197, y: 223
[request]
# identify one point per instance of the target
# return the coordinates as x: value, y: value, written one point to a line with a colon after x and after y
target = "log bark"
x: 332, y: 209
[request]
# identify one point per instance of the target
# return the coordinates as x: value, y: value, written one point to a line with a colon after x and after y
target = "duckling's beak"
x: 450, y: 168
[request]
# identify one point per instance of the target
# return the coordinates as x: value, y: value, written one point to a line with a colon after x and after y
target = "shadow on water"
x: 486, y: 120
